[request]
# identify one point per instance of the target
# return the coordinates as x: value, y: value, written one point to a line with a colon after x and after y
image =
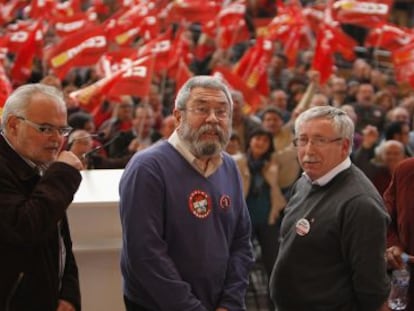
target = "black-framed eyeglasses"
x: 47, y: 129
x: 204, y: 112
x: 315, y: 141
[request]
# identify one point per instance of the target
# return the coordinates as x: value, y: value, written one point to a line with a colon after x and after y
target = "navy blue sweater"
x: 186, y: 238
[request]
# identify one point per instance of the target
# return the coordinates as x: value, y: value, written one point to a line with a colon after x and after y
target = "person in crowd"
x: 242, y: 123
x: 80, y: 142
x: 333, y: 234
x: 186, y: 245
x: 167, y: 126
x: 234, y: 145
x: 339, y: 91
x: 379, y: 169
x: 399, y: 114
x: 279, y: 99
x: 141, y: 136
x: 399, y: 131
x: 37, y: 184
x: 399, y: 202
x: 82, y: 120
x: 350, y: 111
x: 384, y: 100
x: 389, y: 154
x: 121, y: 120
x: 368, y: 113
x: 285, y: 153
x: 265, y: 201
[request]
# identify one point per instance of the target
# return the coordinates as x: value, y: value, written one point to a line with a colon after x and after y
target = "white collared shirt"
x: 183, y: 148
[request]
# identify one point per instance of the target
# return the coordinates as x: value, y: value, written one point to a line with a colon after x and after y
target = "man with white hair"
x: 186, y: 227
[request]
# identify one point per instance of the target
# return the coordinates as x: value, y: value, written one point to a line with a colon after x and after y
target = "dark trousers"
x: 132, y: 306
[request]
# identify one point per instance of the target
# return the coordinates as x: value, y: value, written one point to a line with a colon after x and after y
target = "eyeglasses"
x: 204, y: 112
x: 47, y: 130
x: 315, y: 141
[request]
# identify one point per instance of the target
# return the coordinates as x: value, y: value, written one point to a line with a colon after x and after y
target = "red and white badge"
x: 302, y: 227
x: 199, y: 204
x: 225, y: 201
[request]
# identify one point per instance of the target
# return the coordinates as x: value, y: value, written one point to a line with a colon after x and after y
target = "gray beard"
x: 203, y: 148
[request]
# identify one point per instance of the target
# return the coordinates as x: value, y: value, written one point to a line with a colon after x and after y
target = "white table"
x: 96, y: 233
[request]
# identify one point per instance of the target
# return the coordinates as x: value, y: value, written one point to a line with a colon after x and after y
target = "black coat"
x: 30, y: 209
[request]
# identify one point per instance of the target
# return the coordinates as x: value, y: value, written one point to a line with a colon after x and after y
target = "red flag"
x: 331, y: 39
x: 112, y: 61
x: 130, y: 22
x: 403, y: 60
x: 252, y: 67
x: 160, y: 48
x: 323, y: 58
x: 66, y: 25
x: 5, y: 87
x: 389, y: 37
x: 180, y: 73
x: 68, y: 8
x: 18, y: 34
x: 132, y: 79
x: 9, y: 10
x: 22, y: 67
x: 41, y: 8
x: 251, y: 96
x: 200, y: 11
x: 364, y: 13
x: 80, y: 49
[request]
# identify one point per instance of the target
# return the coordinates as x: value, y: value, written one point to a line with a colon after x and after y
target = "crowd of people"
x: 319, y: 175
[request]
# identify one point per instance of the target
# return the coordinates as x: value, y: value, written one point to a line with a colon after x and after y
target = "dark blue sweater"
x: 185, y: 237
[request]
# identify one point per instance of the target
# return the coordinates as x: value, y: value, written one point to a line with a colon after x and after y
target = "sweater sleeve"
x: 145, y: 259
x: 364, y: 248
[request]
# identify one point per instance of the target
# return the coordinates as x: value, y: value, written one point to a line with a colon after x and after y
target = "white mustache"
x: 309, y: 159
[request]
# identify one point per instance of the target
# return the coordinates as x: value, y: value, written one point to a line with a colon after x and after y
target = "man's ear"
x: 177, y: 115
x: 11, y: 124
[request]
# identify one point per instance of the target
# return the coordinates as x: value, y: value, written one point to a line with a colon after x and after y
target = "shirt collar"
x: 322, y: 181
x: 182, y: 147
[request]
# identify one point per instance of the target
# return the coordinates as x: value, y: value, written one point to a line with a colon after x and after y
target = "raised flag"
x: 323, y: 61
x: 195, y: 11
x: 388, y: 36
x: 133, y: 78
x: 22, y: 66
x: 80, y: 49
x: 363, y: 13
x: 67, y: 25
x: 251, y: 96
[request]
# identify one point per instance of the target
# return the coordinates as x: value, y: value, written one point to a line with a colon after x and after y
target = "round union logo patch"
x: 199, y: 204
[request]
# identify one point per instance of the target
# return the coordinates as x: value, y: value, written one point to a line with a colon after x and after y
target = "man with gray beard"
x: 186, y: 228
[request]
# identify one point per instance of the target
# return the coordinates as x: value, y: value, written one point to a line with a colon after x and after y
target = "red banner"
x: 80, y: 49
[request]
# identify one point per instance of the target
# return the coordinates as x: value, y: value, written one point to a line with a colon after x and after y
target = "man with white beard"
x: 186, y: 228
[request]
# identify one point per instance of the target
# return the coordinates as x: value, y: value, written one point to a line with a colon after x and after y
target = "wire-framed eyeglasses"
x: 204, y: 112
x: 315, y: 141
x: 47, y: 129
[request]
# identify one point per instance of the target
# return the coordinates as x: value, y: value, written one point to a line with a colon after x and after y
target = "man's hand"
x: 65, y: 306
x: 221, y: 309
x: 70, y: 158
x: 370, y: 136
x: 393, y: 257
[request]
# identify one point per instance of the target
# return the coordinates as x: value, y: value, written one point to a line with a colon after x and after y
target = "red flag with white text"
x: 80, y: 49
